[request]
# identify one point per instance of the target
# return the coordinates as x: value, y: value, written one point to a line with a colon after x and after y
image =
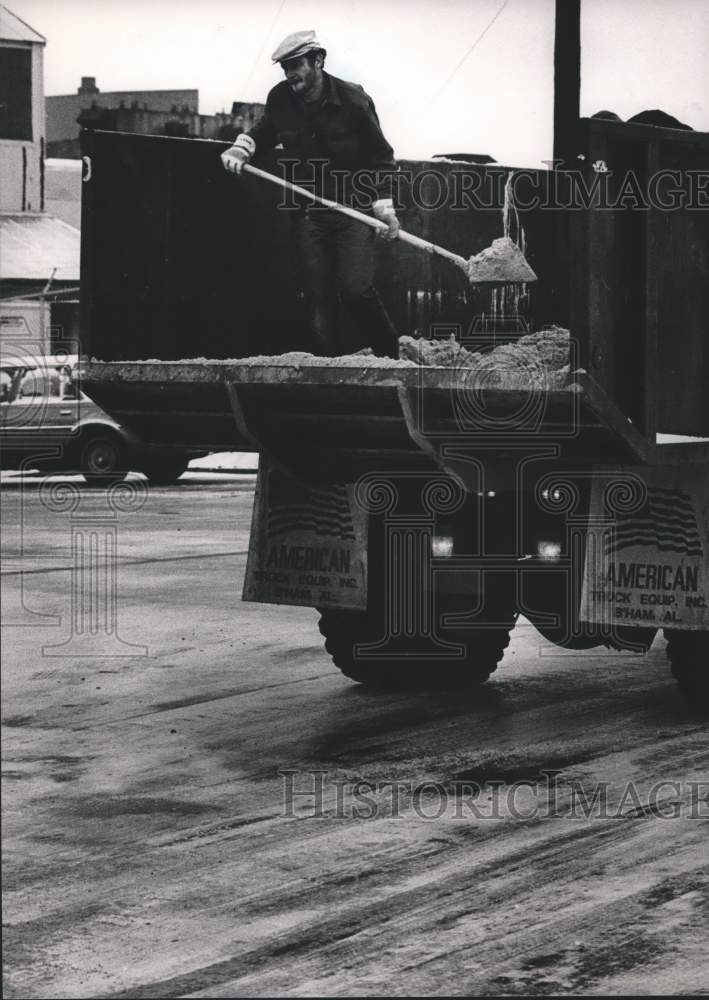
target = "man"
x: 331, y: 135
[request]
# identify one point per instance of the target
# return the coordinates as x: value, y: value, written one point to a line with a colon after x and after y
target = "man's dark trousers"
x: 337, y: 259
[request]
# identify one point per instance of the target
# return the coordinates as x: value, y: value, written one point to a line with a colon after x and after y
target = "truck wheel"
x: 344, y: 629
x: 688, y: 653
x: 102, y: 459
x: 165, y: 470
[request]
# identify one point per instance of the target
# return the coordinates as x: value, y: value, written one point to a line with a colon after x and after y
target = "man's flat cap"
x: 296, y: 45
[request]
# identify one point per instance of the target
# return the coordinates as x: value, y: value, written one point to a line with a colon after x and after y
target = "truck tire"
x: 688, y: 653
x: 102, y: 458
x: 165, y: 470
x: 344, y: 629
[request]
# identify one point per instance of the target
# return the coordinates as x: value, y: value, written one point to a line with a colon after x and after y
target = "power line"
x: 263, y: 46
x: 473, y: 46
x: 42, y: 295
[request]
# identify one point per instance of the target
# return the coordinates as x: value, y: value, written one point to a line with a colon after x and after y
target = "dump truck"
x: 422, y: 505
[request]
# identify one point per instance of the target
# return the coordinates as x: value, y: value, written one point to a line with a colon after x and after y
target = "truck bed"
x: 339, y: 421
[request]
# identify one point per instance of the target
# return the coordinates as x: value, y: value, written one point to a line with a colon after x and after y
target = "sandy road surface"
x: 151, y: 849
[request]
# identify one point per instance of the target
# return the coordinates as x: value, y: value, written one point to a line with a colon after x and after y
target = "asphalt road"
x: 153, y: 849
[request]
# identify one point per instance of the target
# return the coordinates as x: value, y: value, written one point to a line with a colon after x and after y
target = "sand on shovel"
x: 503, y: 263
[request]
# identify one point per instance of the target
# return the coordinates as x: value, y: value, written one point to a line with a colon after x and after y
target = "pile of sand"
x: 365, y: 358
x: 446, y: 353
x: 536, y: 359
x: 300, y: 359
x: 552, y: 345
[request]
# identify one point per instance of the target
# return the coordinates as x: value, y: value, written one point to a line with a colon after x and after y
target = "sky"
x: 445, y: 75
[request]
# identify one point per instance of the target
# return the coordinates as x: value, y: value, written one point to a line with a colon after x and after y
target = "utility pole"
x: 567, y: 81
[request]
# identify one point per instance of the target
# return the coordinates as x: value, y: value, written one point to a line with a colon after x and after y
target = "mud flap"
x: 308, y: 544
x: 647, y: 556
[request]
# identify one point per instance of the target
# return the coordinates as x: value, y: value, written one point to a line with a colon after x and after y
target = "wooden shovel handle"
x: 368, y: 220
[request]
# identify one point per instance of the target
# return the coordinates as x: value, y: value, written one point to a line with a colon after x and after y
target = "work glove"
x: 234, y: 158
x: 385, y: 212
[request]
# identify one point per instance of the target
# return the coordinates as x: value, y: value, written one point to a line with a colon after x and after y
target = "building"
x: 64, y: 110
x: 242, y: 118
x: 178, y: 122
x: 22, y: 136
x: 39, y: 254
x: 153, y: 112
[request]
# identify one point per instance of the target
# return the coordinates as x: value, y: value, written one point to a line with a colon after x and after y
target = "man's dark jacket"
x: 342, y: 129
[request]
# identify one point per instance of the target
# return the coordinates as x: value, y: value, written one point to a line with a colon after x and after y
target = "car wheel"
x: 102, y: 460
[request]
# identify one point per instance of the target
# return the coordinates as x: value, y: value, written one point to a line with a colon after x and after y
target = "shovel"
x: 503, y: 263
